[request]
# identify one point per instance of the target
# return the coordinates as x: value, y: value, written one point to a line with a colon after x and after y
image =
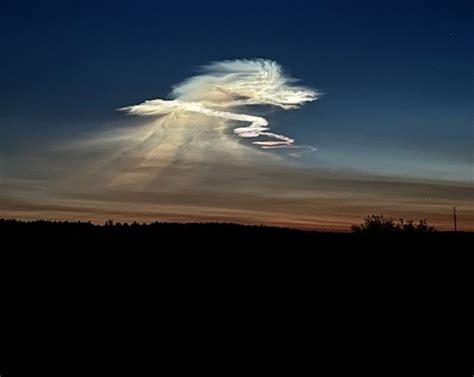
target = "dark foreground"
x: 141, y: 300
x: 169, y: 236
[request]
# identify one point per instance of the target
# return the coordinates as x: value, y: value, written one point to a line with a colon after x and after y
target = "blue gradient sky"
x: 397, y: 75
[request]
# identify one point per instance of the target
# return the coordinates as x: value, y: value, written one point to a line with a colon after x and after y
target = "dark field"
x: 140, y: 298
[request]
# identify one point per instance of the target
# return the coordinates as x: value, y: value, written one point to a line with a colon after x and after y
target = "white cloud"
x: 222, y: 87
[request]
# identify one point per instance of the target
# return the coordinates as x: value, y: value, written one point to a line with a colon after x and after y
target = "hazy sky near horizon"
x: 392, y: 123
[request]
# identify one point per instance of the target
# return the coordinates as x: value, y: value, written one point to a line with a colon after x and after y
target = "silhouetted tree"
x: 411, y: 226
x: 382, y: 224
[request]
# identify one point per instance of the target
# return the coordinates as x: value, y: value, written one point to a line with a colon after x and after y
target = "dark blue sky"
x: 398, y: 75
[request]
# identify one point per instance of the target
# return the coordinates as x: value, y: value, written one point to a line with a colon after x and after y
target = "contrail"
x: 224, y: 86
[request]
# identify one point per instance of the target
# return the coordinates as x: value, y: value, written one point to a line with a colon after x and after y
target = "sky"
x: 387, y: 127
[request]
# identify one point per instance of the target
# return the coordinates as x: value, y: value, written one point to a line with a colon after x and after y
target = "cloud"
x: 205, y: 122
x: 222, y: 87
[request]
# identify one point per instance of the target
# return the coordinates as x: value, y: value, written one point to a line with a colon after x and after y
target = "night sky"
x: 397, y: 87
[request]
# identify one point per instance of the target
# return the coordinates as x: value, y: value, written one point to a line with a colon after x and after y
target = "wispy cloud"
x: 222, y: 87
x: 206, y: 121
